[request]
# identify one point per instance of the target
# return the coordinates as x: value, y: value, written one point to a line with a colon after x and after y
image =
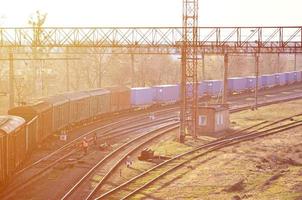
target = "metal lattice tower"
x: 189, y: 92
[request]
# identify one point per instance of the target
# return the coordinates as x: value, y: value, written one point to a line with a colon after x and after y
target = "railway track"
x: 82, y: 189
x: 112, y: 125
x: 32, y: 172
x: 133, y: 186
x: 87, y: 176
x: 68, y: 149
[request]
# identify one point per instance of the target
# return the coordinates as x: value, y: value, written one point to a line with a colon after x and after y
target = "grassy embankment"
x: 267, y: 168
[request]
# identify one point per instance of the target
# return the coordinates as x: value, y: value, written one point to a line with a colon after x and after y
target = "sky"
x: 104, y: 13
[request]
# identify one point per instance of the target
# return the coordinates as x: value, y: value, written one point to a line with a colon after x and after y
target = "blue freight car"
x: 250, y: 83
x: 280, y: 79
x: 294, y: 77
x: 141, y: 96
x: 202, y: 88
x: 213, y: 87
x: 166, y: 93
x: 267, y: 81
x: 237, y: 84
x: 289, y: 77
x: 299, y: 76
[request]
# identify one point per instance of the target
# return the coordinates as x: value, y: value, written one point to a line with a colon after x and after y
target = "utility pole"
x: 43, y: 85
x: 225, y: 79
x: 257, y: 81
x: 203, y: 67
x: 143, y: 63
x: 132, y: 70
x: 100, y: 72
x: 278, y: 63
x: 295, y: 64
x: 67, y: 71
x: 11, y: 81
x: 189, y: 82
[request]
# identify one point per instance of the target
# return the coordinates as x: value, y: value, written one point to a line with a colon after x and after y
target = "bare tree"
x: 36, y: 21
x: 21, y: 88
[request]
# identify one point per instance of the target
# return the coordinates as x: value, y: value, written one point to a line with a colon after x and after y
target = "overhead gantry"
x: 189, y: 41
x: 165, y: 40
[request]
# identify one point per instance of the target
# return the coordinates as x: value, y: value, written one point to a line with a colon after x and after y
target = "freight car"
x: 250, y: 83
x: 55, y: 113
x: 99, y: 102
x: 237, y: 84
x: 43, y: 112
x: 166, y: 93
x: 267, y: 81
x: 120, y: 98
x: 299, y: 76
x: 289, y: 78
x: 213, y: 87
x: 12, y: 146
x: 60, y: 112
x: 79, y: 107
x: 202, y: 88
x: 280, y: 79
x: 141, y: 96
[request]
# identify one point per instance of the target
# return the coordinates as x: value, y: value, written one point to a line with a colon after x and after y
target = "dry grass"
x: 271, y: 113
x: 265, y: 169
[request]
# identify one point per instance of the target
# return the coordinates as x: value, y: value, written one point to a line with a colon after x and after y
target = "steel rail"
x: 215, y: 145
x: 169, y: 127
x: 74, y: 144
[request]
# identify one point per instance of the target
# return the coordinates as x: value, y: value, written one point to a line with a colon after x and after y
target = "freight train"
x: 27, y: 126
x: 213, y: 88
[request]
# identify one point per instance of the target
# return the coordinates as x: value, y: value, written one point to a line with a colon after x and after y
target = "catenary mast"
x: 189, y: 83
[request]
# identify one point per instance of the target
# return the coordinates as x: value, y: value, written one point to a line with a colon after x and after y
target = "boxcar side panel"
x: 202, y: 88
x: 20, y: 137
x: 11, y: 153
x: 105, y: 103
x: 250, y: 83
x: 237, y: 84
x: 3, y: 159
x: 47, y: 123
x: 31, y: 134
x: 141, y: 96
x: 125, y: 99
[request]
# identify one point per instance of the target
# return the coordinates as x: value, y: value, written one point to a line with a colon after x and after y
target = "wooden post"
x: 11, y: 81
